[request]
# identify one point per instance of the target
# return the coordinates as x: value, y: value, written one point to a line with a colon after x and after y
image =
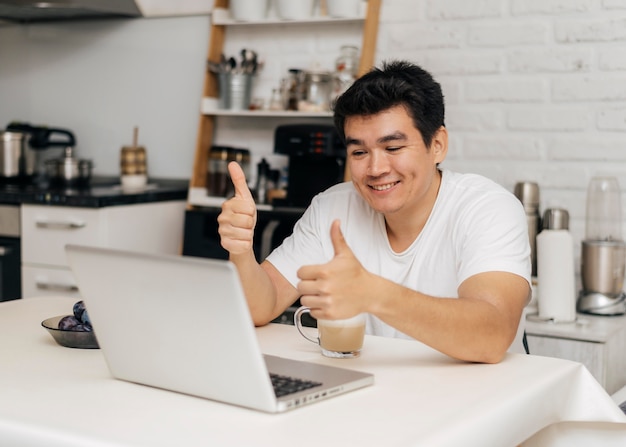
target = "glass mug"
x: 341, y: 339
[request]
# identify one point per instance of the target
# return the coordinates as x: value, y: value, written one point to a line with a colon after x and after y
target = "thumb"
x: 239, y: 181
x: 336, y: 236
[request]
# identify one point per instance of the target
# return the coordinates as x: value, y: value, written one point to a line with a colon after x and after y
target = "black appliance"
x: 201, y: 237
x: 10, y: 255
x: 317, y: 159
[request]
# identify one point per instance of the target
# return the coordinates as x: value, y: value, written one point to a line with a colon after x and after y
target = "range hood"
x: 27, y: 11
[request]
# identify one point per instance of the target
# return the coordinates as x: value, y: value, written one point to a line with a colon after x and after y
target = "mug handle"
x: 297, y: 321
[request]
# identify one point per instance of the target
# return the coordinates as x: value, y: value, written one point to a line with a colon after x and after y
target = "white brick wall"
x: 535, y: 89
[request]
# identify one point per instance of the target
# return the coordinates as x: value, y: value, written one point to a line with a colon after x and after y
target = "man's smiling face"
x: 390, y: 165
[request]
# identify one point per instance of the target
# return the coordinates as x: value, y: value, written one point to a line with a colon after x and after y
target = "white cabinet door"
x: 39, y: 281
x: 47, y: 229
x: 150, y: 227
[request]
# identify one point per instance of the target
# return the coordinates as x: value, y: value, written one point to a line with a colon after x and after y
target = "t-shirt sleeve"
x: 303, y: 247
x: 494, y: 237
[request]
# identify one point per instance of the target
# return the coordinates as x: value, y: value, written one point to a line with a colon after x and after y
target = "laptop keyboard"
x: 284, y: 385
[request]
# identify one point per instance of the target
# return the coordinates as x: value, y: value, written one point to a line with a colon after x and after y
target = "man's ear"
x: 439, y: 144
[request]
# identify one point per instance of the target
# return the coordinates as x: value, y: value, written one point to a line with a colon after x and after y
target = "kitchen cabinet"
x: 45, y: 230
x: 220, y: 20
x: 598, y: 342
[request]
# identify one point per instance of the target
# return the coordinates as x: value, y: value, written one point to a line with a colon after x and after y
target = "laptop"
x: 182, y: 324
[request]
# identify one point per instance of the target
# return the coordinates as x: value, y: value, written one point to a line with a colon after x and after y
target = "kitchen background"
x: 535, y: 89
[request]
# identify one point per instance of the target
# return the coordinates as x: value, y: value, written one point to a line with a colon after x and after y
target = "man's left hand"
x: 334, y: 290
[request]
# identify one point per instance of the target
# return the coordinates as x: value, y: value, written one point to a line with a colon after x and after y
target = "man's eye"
x: 394, y: 148
x: 357, y: 153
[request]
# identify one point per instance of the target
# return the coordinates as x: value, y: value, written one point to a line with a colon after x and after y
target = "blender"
x: 603, y: 259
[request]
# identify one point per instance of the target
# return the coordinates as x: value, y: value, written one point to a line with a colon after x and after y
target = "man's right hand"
x: 238, y: 217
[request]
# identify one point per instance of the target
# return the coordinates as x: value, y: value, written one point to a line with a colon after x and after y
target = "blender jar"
x: 604, y: 210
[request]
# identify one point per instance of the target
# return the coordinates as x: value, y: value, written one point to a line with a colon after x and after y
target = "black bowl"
x: 70, y: 339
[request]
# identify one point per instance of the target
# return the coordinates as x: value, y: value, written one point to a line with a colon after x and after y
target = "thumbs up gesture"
x: 334, y: 290
x: 238, y: 217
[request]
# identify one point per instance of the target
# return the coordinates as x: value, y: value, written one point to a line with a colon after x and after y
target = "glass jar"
x: 133, y: 160
x: 346, y: 69
x: 317, y: 91
x: 242, y: 157
x: 291, y: 89
x: 218, y: 179
x: 217, y: 176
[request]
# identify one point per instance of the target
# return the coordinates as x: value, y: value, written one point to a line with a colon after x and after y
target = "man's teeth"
x: 382, y: 187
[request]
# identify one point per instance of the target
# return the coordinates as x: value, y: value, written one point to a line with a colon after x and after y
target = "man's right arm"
x: 267, y: 291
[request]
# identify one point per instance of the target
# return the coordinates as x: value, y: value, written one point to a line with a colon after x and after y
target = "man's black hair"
x: 396, y: 83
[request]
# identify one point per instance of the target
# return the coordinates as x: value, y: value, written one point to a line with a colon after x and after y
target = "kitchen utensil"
x: 20, y: 144
x: 232, y: 64
x: 214, y: 67
x: 603, y: 259
x: 248, y: 61
x: 70, y: 339
x: 69, y: 171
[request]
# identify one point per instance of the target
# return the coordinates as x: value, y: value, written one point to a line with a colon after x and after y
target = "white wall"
x: 102, y: 78
x: 535, y: 89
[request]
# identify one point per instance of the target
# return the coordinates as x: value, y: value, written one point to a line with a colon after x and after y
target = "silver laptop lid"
x: 173, y: 322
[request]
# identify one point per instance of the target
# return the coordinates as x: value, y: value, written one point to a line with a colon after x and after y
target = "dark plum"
x: 79, y: 309
x: 85, y: 318
x: 69, y: 323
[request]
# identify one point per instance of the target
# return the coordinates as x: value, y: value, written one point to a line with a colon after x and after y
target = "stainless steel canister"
x: 16, y: 157
x: 603, y: 265
x: 528, y: 194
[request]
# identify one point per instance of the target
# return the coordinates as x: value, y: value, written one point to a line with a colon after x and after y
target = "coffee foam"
x: 350, y: 322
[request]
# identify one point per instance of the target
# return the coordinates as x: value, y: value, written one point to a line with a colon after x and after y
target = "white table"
x: 55, y: 396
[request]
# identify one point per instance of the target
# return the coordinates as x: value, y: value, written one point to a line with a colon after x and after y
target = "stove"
x: 102, y: 191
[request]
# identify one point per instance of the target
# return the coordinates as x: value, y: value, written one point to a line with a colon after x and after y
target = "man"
x: 433, y: 255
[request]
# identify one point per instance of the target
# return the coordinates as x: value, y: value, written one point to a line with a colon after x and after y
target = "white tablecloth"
x: 55, y: 396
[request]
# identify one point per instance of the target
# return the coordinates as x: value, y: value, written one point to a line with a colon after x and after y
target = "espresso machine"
x: 317, y: 159
x: 603, y: 259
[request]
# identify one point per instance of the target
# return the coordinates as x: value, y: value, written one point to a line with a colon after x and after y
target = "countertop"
x: 56, y: 396
x: 102, y: 191
x: 591, y: 328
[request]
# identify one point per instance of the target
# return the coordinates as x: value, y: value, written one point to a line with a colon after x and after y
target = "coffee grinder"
x: 317, y: 159
x: 603, y: 259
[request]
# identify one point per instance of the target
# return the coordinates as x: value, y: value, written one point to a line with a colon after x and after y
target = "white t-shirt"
x: 475, y: 226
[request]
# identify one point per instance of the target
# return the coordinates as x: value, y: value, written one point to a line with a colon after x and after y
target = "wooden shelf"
x: 220, y: 20
x: 209, y: 107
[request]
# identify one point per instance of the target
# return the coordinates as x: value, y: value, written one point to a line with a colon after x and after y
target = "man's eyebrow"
x: 353, y: 141
x: 395, y: 136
